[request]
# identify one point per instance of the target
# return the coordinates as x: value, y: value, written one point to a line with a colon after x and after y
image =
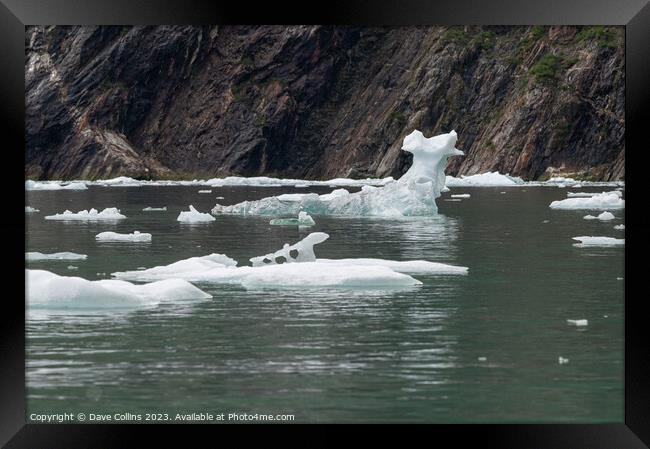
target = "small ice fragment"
x: 502, y: 192
x: 561, y: 360
x: 72, y: 267
x: 482, y: 359
x: 546, y: 221
x: 219, y: 198
x: 619, y: 279
x: 461, y: 195
x: 301, y: 186
x: 205, y: 191
x: 194, y: 216
x: 578, y: 323
x: 29, y: 209
x: 453, y: 200
x: 619, y: 227
x: 150, y: 209
x: 109, y: 236
x: 589, y: 217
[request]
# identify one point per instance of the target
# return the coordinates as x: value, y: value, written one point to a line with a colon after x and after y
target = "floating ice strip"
x: 110, y: 213
x: 598, y: 241
x: 152, y: 209
x: 49, y: 290
x: 36, y: 256
x: 110, y: 236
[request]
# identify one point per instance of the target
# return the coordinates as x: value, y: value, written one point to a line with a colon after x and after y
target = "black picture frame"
x: 633, y: 14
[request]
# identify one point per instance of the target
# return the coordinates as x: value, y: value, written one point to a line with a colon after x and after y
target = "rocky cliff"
x: 319, y: 101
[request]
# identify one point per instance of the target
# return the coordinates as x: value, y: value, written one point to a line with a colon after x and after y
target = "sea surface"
x: 481, y: 348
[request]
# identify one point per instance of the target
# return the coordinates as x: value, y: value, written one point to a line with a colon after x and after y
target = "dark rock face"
x: 319, y: 101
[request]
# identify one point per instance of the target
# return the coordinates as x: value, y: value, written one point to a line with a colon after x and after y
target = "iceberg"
x: 29, y: 209
x: 151, y: 209
x: 110, y: 236
x: 194, y: 216
x: 304, y: 219
x: 36, y: 256
x: 597, y: 241
x: 489, y: 179
x: 605, y: 216
x: 413, y: 194
x: 599, y: 201
x: 110, y: 213
x: 49, y: 290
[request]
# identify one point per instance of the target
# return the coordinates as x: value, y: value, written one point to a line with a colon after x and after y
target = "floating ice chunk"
x: 599, y: 201
x: 46, y: 289
x: 605, y: 216
x: 121, y: 181
x: 598, y: 241
x: 263, y: 181
x: 110, y: 213
x: 489, y: 179
x: 151, y: 209
x: 482, y: 359
x: 205, y: 191
x: 561, y: 360
x: 578, y: 323
x: 72, y: 267
x: 413, y: 194
x: 316, y: 274
x: 194, y: 216
x: 401, y: 266
x: 463, y: 195
x: 590, y: 194
x: 35, y: 185
x: 76, y: 185
x: 619, y: 227
x: 303, y: 251
x: 29, y: 209
x: 502, y: 193
x: 301, y: 186
x: 36, y: 256
x: 304, y: 219
x: 453, y: 200
x: 191, y: 269
x: 110, y: 236
x: 219, y: 198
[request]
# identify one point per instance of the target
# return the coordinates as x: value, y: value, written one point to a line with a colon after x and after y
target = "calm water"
x: 342, y: 355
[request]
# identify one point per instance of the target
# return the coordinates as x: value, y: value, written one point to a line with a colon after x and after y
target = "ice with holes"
x: 414, y: 194
x: 49, y: 290
x: 295, y: 266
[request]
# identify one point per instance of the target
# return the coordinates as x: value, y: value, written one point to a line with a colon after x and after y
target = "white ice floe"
x: 562, y: 361
x: 110, y: 236
x: 590, y: 194
x: 599, y: 201
x: 49, y: 290
x: 489, y: 179
x: 29, y: 209
x: 109, y: 214
x: 619, y: 227
x: 579, y: 323
x: 598, y: 241
x: 605, y: 216
x: 401, y: 266
x: 295, y: 266
x: 152, y: 209
x: 194, y: 216
x: 121, y: 181
x: 36, y: 256
x: 72, y: 267
x: 205, y: 191
x: 413, y: 194
x: 304, y: 219
x: 462, y: 195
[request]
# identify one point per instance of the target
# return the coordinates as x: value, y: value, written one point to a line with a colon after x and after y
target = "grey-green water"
x: 340, y: 355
